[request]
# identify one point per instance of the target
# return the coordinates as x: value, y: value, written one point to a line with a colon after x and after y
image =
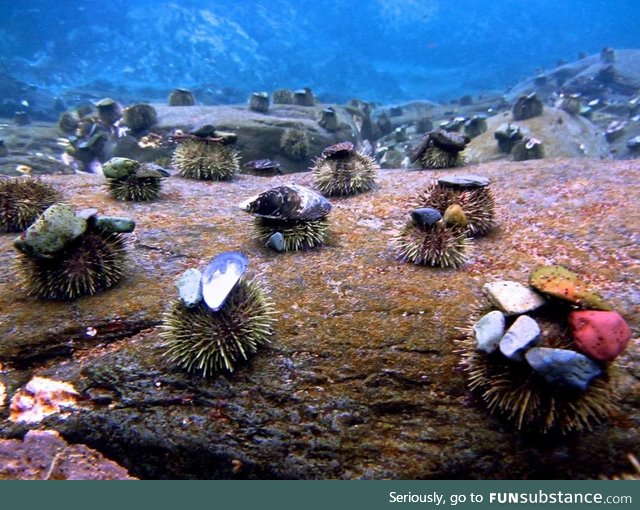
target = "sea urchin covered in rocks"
x: 22, y: 200
x: 220, y: 319
x: 65, y: 256
x: 341, y: 170
x: 205, y: 159
x: 440, y: 149
x: 129, y: 180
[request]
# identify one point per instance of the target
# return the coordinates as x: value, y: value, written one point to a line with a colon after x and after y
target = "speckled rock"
x: 563, y: 367
x: 190, y: 287
x: 513, y: 298
x: 600, y: 335
x: 115, y: 224
x: 52, y: 231
x: 455, y: 216
x: 559, y: 282
x: 489, y: 330
x: 523, y: 334
x: 467, y: 181
x: 118, y: 168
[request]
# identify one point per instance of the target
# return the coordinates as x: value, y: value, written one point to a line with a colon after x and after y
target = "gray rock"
x: 115, y: 224
x: 523, y: 334
x: 221, y: 276
x: 276, y: 241
x: 563, y: 366
x: 87, y: 214
x: 425, y: 216
x: 489, y: 330
x: 468, y: 181
x: 52, y: 232
x: 190, y: 287
x: 513, y: 298
x: 634, y: 143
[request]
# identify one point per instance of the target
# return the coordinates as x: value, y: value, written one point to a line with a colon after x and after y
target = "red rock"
x: 599, y: 335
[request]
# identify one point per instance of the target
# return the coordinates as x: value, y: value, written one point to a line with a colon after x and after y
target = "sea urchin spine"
x: 206, y: 160
x: 297, y: 234
x: 22, y: 200
x: 433, y: 245
x: 345, y: 173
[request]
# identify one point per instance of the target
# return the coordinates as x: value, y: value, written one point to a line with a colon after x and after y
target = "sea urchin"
x: 205, y: 160
x: 343, y: 171
x: 22, y: 200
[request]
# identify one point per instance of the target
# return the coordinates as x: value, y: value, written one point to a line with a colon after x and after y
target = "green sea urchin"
x: 513, y: 390
x: 294, y: 143
x: 477, y: 204
x: 433, y: 245
x: 440, y: 149
x: 344, y: 174
x: 298, y: 234
x: 130, y: 180
x: 95, y: 261
x: 200, y: 340
x: 22, y: 200
x: 205, y: 160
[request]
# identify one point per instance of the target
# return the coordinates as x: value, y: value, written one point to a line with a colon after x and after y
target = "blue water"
x: 382, y: 50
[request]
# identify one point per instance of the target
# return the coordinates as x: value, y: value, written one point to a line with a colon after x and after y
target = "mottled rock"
x: 489, y: 330
x: 601, y: 335
x: 559, y: 282
x: 563, y: 367
x: 513, y: 298
x: 52, y: 231
x: 276, y: 241
x: 115, y: 224
x: 118, y: 168
x: 41, y: 397
x: 190, y: 287
x: 425, y: 216
x: 523, y: 334
x: 45, y: 455
x: 467, y: 181
x: 220, y: 277
x: 87, y: 214
x: 455, y: 216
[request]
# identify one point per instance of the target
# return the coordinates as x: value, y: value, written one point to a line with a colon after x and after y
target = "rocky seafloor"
x: 362, y: 377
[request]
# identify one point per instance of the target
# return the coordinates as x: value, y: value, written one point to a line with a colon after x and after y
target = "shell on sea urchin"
x: 348, y: 175
x: 22, y: 200
x: 440, y: 149
x: 433, y: 245
x: 205, y: 161
x: 200, y: 340
x: 94, y: 262
x: 513, y: 390
x: 477, y: 204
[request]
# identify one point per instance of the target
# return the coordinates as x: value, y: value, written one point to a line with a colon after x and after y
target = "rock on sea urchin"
x: 471, y: 193
x: 205, y: 160
x: 343, y: 171
x: 220, y: 319
x: 129, y: 180
x: 432, y: 243
x: 296, y: 213
x: 65, y: 256
x: 22, y: 200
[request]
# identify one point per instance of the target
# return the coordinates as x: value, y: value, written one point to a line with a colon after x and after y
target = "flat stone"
x: 468, y: 181
x: 563, y: 367
x: 115, y: 224
x: 559, y: 282
x: 190, y: 287
x: 489, y: 330
x: 513, y: 298
x: 52, y: 231
x: 600, y: 335
x: 523, y: 334
x: 221, y: 276
x: 425, y: 216
x: 276, y: 241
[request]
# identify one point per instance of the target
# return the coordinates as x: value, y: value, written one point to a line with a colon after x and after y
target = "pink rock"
x: 599, y: 335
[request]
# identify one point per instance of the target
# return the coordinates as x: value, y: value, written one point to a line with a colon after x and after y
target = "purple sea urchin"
x: 344, y: 172
x: 200, y: 340
x: 477, y: 204
x: 22, y: 200
x: 433, y: 245
x: 205, y: 160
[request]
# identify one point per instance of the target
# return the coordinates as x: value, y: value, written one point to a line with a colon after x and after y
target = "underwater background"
x: 380, y: 50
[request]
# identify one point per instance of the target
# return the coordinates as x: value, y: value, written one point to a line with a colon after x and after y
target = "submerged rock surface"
x: 361, y: 379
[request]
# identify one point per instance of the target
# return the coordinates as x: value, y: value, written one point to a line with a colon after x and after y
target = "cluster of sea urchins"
x: 219, y: 319
x: 470, y: 192
x: 205, y: 155
x: 65, y: 255
x: 129, y: 180
x: 22, y: 200
x: 440, y: 149
x: 341, y: 170
x: 290, y: 217
x: 545, y: 367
